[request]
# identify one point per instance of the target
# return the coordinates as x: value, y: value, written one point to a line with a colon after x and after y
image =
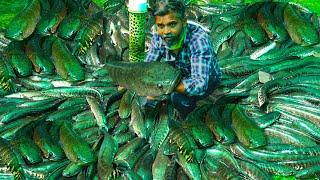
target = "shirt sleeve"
x: 201, y: 56
x: 154, y: 50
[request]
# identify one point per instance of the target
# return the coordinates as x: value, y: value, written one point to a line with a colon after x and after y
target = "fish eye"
x: 50, y: 155
x: 160, y: 86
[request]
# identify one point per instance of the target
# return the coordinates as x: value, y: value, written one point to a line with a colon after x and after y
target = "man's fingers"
x: 151, y: 97
x: 120, y: 88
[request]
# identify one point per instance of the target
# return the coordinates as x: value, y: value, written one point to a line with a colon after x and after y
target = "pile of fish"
x: 62, y: 114
x: 57, y: 37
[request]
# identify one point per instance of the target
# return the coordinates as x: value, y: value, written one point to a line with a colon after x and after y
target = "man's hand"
x: 151, y: 97
x: 180, y: 88
x: 120, y: 88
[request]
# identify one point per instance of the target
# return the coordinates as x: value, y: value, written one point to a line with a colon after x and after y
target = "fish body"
x: 274, y: 29
x: 40, y: 62
x: 301, y: 31
x: 43, y: 170
x: 246, y: 130
x: 219, y: 38
x: 126, y: 104
x: 5, y: 84
x: 144, y: 77
x: 161, y: 129
x: 70, y: 25
x: 98, y: 112
x: 88, y: 34
x: 18, y: 59
x: 218, y: 127
x: 197, y: 128
x: 10, y: 159
x: 50, y: 149
x: 28, y: 149
x: 254, y: 31
x: 75, y: 148
x: 159, y: 165
x: 138, y: 120
x: 24, y: 23
x: 50, y: 21
x: 106, y: 154
x: 67, y: 65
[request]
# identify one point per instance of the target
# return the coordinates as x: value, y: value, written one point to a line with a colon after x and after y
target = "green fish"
x: 24, y: 23
x: 144, y: 77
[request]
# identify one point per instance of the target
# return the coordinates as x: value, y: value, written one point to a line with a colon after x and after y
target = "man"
x: 187, y: 47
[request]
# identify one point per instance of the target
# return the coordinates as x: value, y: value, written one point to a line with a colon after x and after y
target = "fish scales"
x: 75, y: 148
x: 50, y: 149
x: 246, y: 130
x: 49, y: 22
x: 182, y: 139
x: 10, y: 159
x: 88, y: 34
x: 143, y: 77
x: 24, y: 23
x: 253, y: 171
x: 301, y: 31
x: 106, y: 154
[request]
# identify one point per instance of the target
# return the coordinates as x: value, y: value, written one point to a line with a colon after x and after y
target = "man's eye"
x: 173, y: 24
x: 160, y: 26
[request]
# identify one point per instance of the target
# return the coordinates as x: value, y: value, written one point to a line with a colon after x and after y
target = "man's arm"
x: 202, y: 56
x: 154, y: 51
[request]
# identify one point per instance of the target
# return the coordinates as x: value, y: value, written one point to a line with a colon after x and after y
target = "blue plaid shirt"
x: 196, y: 59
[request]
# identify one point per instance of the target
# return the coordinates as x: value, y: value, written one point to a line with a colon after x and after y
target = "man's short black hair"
x: 164, y: 7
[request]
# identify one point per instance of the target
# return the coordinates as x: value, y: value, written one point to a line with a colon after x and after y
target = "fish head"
x: 44, y: 28
x: 15, y: 32
x: 161, y: 78
x: 257, y: 139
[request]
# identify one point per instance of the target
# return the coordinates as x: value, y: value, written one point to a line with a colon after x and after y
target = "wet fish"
x: 144, y: 77
x: 23, y: 25
x: 246, y: 130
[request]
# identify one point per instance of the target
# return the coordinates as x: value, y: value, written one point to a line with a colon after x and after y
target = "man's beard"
x: 170, y: 39
x: 175, y: 42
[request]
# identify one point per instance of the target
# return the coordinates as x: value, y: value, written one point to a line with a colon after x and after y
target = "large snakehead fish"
x: 144, y: 77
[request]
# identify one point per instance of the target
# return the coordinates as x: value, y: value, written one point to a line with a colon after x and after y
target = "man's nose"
x: 167, y: 30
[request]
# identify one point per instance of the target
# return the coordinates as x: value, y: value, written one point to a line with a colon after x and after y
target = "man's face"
x: 169, y: 27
